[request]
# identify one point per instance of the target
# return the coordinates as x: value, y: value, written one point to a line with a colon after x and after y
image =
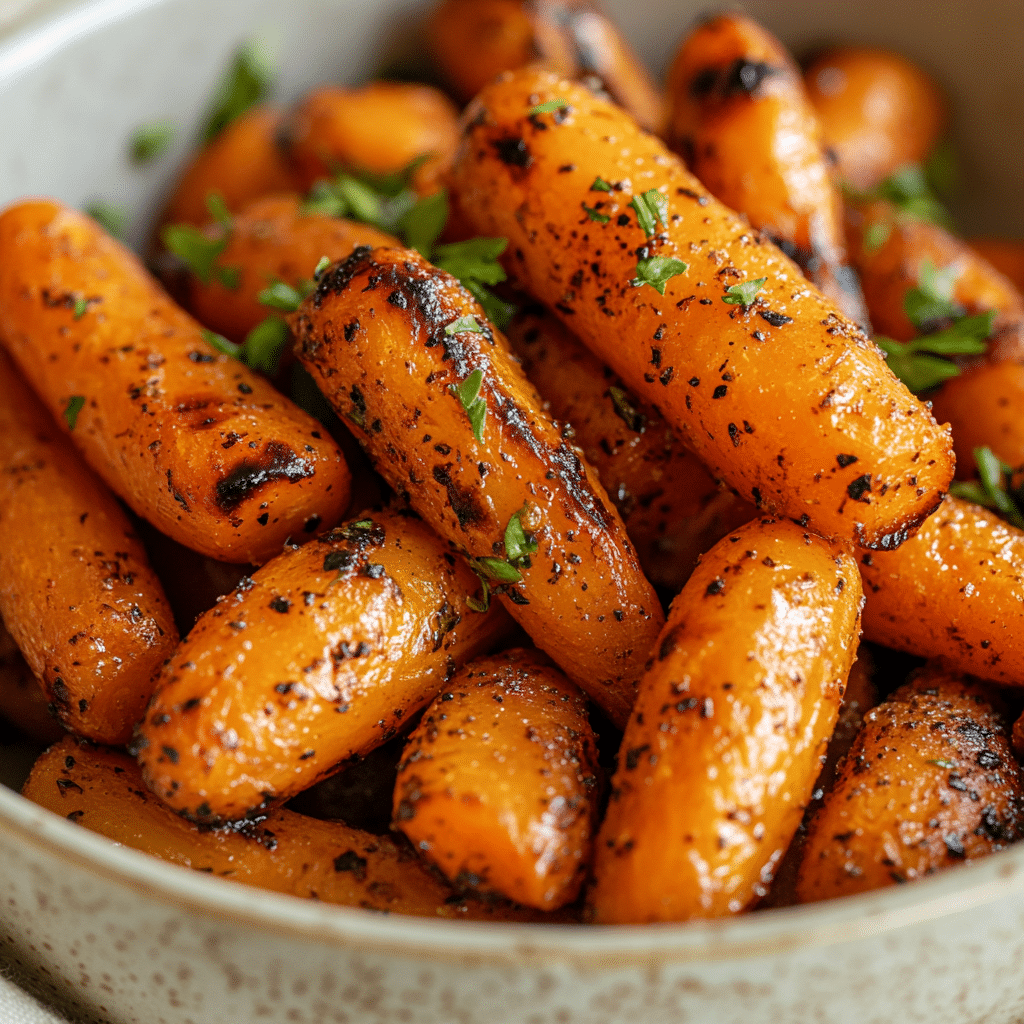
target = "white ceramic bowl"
x: 121, y: 938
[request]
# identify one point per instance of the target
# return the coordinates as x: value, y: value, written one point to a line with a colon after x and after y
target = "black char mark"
x: 740, y: 78
x: 276, y: 462
x: 513, y: 151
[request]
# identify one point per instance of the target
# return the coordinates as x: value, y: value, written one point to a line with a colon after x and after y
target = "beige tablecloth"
x: 17, y: 1007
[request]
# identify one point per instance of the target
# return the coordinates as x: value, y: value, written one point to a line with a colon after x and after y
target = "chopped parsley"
x: 322, y: 264
x: 496, y: 570
x: 745, y: 292
x: 475, y: 264
x: 248, y: 80
x: 469, y: 324
x: 200, y: 253
x: 600, y: 185
x: 81, y: 307
x: 601, y: 218
x: 657, y: 271
x: 281, y: 295
x: 151, y: 141
x: 920, y: 363
x: 911, y: 193
x: 993, y: 489
x: 651, y: 208
x: 113, y: 219
x: 76, y: 403
x: 264, y: 344
x: 221, y: 344
x: 548, y: 108
x: 519, y: 544
x: 876, y: 235
x: 468, y: 393
x: 942, y: 762
x: 424, y: 223
x: 219, y: 209
x: 932, y: 298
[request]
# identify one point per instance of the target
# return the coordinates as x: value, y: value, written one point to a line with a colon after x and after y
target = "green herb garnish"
x: 469, y: 324
x: 876, y: 235
x: 76, y: 403
x: 221, y: 344
x: 911, y: 193
x: 932, y: 299
x: 113, y: 219
x: 81, y: 307
x: 249, y: 80
x: 601, y: 218
x: 600, y: 185
x: 151, y: 141
x: 284, y: 297
x: 219, y: 209
x: 496, y: 570
x: 475, y: 264
x: 200, y: 253
x: 657, y: 271
x: 548, y: 108
x: 519, y: 544
x: 651, y: 208
x: 264, y: 344
x: 744, y: 293
x: 993, y: 488
x: 468, y: 393
x: 424, y: 223
x: 942, y: 763
x: 322, y: 264
x: 919, y: 363
x: 483, y: 603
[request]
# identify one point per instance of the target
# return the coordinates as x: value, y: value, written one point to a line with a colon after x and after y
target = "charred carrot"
x: 775, y: 391
x: 406, y: 355
x: 192, y: 440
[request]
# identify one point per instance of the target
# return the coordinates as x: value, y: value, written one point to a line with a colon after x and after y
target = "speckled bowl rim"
x: 969, y: 887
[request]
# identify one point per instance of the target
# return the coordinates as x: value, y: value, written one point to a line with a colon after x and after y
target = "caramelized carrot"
x: 281, y: 852
x: 1006, y: 255
x: 380, y: 128
x: 270, y: 240
x: 324, y: 654
x: 497, y: 785
x: 242, y: 164
x: 193, y: 441
x: 878, y: 111
x: 673, y: 508
x: 954, y: 592
x: 407, y: 356
x: 929, y: 783
x: 777, y: 393
x: 76, y: 589
x: 475, y: 40
x: 741, y: 120
x: 723, y: 747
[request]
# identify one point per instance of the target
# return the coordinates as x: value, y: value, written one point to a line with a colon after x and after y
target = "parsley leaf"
x: 548, y: 108
x: 322, y: 264
x: 76, y: 403
x: 151, y: 141
x: 601, y: 218
x: 911, y: 193
x: 919, y: 363
x: 482, y: 603
x: 264, y: 344
x: 876, y: 235
x: 113, y: 219
x: 468, y: 393
x: 81, y: 307
x: 423, y: 224
x: 993, y: 490
x: 468, y: 324
x: 932, y: 299
x: 475, y: 264
x: 519, y: 544
x: 600, y: 185
x: 200, y: 253
x: 221, y: 344
x: 657, y: 271
x: 219, y: 209
x: 496, y: 570
x: 651, y: 208
x: 745, y: 292
x: 248, y: 80
x: 281, y: 295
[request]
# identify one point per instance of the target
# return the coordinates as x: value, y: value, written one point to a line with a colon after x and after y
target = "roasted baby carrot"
x: 76, y: 589
x: 878, y: 111
x: 285, y: 852
x: 475, y: 40
x: 406, y: 355
x: 740, y: 118
x: 242, y: 164
x: 1006, y: 255
x: 929, y: 783
x: 380, y: 128
x: 322, y: 655
x: 775, y: 391
x: 673, y: 508
x: 192, y: 440
x: 954, y: 592
x: 723, y: 747
x: 497, y: 785
x: 271, y: 240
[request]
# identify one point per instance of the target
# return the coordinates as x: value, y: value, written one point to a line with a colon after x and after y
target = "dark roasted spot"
x: 513, y: 151
x: 276, y: 462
